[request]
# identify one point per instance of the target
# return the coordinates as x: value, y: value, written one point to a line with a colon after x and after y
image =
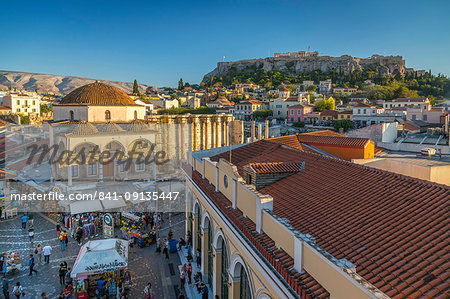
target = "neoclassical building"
x: 279, y: 218
x: 98, y: 103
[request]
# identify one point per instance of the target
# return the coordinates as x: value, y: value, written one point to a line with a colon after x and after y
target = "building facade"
x: 22, y: 103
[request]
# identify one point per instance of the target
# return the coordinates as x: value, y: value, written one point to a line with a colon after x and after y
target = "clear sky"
x: 157, y: 42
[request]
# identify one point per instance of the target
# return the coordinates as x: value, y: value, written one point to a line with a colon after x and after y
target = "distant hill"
x: 60, y: 85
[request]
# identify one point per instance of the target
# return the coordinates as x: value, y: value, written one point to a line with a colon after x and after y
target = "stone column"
x: 225, y: 132
x: 252, y: 131
x: 206, y: 134
x: 266, y: 130
x: 259, y: 131
x: 196, y: 140
x: 195, y: 220
x: 69, y: 175
x: 217, y: 131
x: 100, y: 171
x: 188, y: 210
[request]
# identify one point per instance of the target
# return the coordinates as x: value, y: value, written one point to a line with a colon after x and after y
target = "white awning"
x: 99, y: 256
x: 84, y: 206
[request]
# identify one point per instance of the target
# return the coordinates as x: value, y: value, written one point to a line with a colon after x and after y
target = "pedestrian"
x: 148, y: 291
x: 198, y: 258
x: 47, y: 250
x: 189, y: 272
x: 38, y: 253
x: 62, y: 241
x: 6, y: 285
x: 66, y: 236
x: 158, y: 245
x: 2, y: 261
x: 68, y: 290
x: 182, y: 277
x: 204, y: 291
x: 166, y: 248
x: 31, y: 265
x: 68, y: 279
x: 131, y: 245
x: 31, y: 219
x: 24, y: 221
x: 79, y: 235
x: 18, y: 290
x: 61, y: 295
x: 62, y: 273
x: 31, y: 233
x: 44, y: 296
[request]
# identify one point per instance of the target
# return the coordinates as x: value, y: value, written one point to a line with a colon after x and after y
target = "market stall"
x: 101, y: 260
x: 12, y: 263
x: 133, y: 227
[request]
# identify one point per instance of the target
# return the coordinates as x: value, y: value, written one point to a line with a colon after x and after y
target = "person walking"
x: 2, y: 261
x: 182, y: 277
x: 68, y: 290
x: 79, y: 235
x: 198, y: 258
x: 166, y: 248
x: 68, y: 278
x: 18, y: 290
x: 31, y: 265
x: 47, y: 250
x: 38, y: 253
x: 31, y: 233
x: 62, y: 273
x: 62, y: 241
x: 189, y: 273
x: 24, y: 221
x: 6, y: 285
x: 31, y: 219
x: 148, y: 291
x: 44, y: 295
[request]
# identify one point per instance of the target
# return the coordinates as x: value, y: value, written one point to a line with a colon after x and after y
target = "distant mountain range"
x: 60, y: 85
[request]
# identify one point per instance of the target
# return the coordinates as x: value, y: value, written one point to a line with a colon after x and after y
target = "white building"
x: 245, y: 109
x: 165, y: 103
x: 407, y: 102
x: 22, y: 103
x: 366, y: 115
x: 98, y: 103
x: 325, y: 86
x: 148, y: 106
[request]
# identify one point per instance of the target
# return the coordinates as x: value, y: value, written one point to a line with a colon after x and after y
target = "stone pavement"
x: 145, y: 264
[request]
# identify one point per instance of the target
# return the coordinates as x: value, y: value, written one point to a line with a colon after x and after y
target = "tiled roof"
x: 334, y: 140
x: 97, y: 93
x: 324, y: 133
x: 110, y: 127
x: 84, y: 128
x: 303, y: 284
x: 289, y: 140
x: 276, y: 167
x: 329, y: 113
x: 394, y: 228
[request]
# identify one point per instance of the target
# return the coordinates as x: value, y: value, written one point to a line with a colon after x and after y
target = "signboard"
x: 108, y: 226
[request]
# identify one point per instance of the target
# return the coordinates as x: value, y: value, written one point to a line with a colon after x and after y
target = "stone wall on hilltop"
x: 389, y: 65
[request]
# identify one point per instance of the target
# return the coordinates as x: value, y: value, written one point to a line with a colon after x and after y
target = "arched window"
x: 71, y: 117
x: 224, y: 276
x: 245, y: 292
x: 135, y: 115
x: 107, y: 115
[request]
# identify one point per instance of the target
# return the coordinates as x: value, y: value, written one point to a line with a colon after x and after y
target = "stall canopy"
x: 100, y: 256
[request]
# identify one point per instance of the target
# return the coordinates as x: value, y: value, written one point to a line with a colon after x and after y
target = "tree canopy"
x: 135, y: 87
x: 326, y: 104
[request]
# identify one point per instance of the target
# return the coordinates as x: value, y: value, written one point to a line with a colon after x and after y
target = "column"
x: 217, y: 273
x: 259, y: 131
x: 235, y: 288
x: 252, y: 130
x: 225, y: 131
x: 195, y: 221
x: 69, y: 175
x: 188, y: 210
x: 204, y: 253
x: 266, y: 130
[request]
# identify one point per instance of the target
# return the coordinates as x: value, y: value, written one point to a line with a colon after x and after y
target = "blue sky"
x: 157, y: 42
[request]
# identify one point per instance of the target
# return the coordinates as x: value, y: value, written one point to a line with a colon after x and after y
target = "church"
x: 97, y: 103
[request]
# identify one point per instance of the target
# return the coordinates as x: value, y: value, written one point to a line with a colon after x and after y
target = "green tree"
x: 45, y: 108
x: 345, y: 124
x: 180, y: 84
x: 135, y: 87
x: 24, y: 119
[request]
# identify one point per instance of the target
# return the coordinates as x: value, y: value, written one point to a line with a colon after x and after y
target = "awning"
x: 85, y: 206
x: 99, y: 256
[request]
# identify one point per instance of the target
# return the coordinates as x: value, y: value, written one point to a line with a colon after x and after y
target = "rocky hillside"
x: 387, y: 65
x: 60, y: 85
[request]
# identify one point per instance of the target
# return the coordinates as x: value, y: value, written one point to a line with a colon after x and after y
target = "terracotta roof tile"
x: 276, y: 167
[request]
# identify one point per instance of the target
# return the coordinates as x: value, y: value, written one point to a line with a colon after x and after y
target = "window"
x: 107, y: 115
x: 135, y: 115
x: 359, y: 111
x: 140, y: 165
x: 34, y: 102
x: 71, y: 115
x: 18, y: 102
x: 18, y: 109
x: 413, y: 117
x: 92, y: 169
x: 299, y: 112
x: 278, y: 112
x: 425, y: 117
x: 74, y: 170
x: 278, y: 106
x: 122, y: 165
x: 364, y: 111
x: 245, y: 292
x: 34, y: 109
x: 225, y: 181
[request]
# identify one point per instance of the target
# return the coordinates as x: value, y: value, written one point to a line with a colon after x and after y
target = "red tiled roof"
x: 275, y: 167
x: 303, y: 284
x: 394, y: 228
x: 334, y: 140
x: 290, y: 140
x: 329, y: 113
x: 324, y: 133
